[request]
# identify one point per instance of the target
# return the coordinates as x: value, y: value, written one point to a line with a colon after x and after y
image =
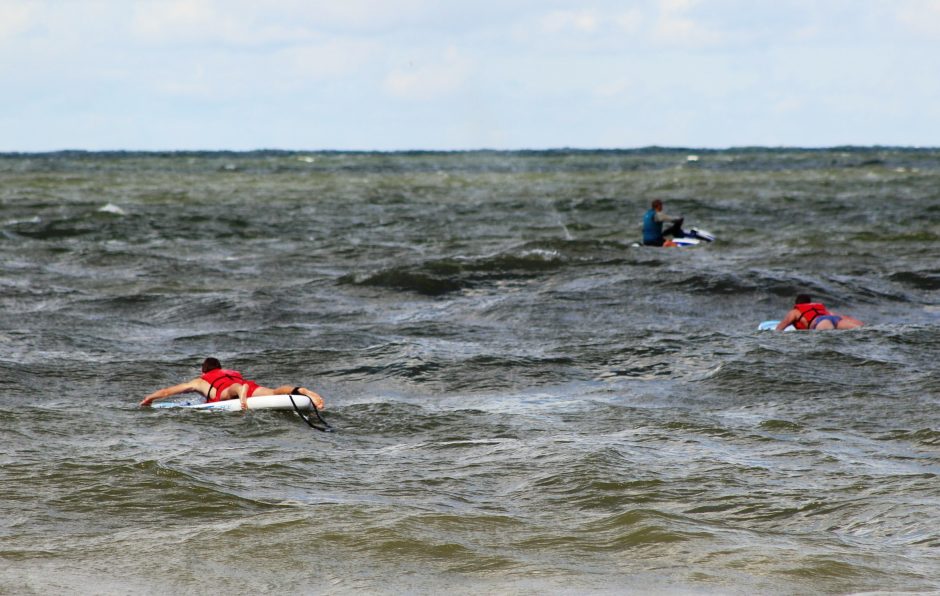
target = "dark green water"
x: 523, y: 402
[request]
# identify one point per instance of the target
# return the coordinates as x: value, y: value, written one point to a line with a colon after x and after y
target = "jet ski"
x: 684, y: 238
x: 693, y: 237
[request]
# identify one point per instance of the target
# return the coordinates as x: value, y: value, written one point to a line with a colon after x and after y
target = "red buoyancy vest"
x: 221, y: 379
x: 808, y: 313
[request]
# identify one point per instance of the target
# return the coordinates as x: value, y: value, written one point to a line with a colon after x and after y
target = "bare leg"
x: 313, y: 395
x: 848, y: 323
x: 287, y: 390
x: 844, y: 323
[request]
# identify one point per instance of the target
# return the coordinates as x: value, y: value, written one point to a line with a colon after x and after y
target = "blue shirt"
x: 652, y: 229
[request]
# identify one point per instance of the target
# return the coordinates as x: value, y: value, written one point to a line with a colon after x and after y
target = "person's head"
x: 803, y: 299
x: 657, y: 205
x: 210, y: 364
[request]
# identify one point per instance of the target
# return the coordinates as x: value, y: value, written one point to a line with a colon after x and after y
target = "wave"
x: 397, y: 363
x: 919, y: 280
x: 105, y: 223
x: 447, y: 275
x: 722, y: 284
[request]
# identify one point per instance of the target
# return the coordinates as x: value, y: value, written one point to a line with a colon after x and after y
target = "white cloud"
x: 560, y: 21
x: 431, y: 80
x: 172, y: 20
x: 357, y: 15
x: 337, y: 57
x: 610, y: 28
x: 206, y: 22
x: 920, y: 16
x: 629, y: 21
x: 15, y: 19
x: 675, y: 26
x: 611, y: 88
x: 451, y: 74
x: 252, y: 23
x: 677, y: 6
x: 298, y: 70
x: 788, y: 105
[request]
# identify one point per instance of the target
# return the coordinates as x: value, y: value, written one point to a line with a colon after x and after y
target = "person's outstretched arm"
x: 187, y: 387
x: 788, y: 320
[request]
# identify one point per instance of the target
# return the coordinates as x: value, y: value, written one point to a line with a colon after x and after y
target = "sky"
x: 467, y: 74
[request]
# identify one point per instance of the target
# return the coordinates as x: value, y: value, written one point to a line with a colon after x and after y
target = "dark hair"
x: 656, y: 203
x: 210, y: 364
x: 803, y: 299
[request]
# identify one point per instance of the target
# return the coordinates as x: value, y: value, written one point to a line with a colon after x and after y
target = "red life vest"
x: 808, y: 313
x: 221, y: 379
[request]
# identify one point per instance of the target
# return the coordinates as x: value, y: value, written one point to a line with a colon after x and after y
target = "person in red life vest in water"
x: 807, y: 314
x: 217, y: 384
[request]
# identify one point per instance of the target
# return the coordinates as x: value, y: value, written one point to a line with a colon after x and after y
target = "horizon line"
x: 646, y: 148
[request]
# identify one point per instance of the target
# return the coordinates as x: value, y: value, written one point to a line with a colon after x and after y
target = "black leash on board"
x: 325, y: 428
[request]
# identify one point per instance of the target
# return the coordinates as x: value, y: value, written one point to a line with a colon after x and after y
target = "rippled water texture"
x: 523, y: 402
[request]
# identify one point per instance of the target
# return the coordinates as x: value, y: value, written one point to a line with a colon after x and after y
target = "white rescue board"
x: 771, y: 325
x: 260, y: 402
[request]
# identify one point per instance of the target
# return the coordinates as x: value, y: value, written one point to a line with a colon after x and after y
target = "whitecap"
x: 112, y: 208
x: 15, y: 222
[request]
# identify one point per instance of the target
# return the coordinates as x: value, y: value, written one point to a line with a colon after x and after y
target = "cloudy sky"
x: 467, y: 74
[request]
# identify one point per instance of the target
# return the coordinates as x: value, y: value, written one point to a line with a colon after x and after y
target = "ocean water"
x: 524, y: 403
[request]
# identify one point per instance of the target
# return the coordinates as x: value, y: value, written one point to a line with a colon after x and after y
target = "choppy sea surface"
x: 524, y: 403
